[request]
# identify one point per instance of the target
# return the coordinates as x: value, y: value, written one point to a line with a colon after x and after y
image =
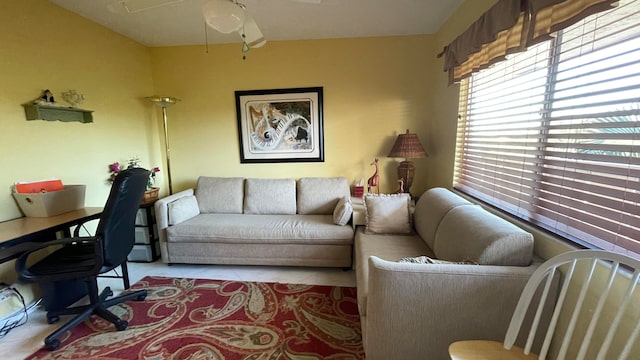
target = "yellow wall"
x: 43, y: 46
x: 374, y: 88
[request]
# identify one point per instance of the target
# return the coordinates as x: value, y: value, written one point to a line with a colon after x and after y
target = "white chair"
x: 601, y: 310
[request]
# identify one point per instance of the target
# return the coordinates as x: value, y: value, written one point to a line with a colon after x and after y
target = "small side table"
x: 147, y: 246
x: 358, y: 216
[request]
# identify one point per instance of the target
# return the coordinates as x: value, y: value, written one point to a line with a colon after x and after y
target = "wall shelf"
x: 53, y: 113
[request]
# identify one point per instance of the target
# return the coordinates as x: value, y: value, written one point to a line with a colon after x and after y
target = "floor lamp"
x: 164, y: 102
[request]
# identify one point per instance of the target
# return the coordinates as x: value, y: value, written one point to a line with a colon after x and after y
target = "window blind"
x: 510, y: 26
x: 552, y: 134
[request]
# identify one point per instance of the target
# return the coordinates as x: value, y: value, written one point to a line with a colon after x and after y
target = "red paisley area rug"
x: 215, y: 319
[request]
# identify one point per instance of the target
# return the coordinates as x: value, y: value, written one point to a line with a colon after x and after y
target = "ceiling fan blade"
x: 134, y: 6
x: 223, y: 15
x: 251, y: 33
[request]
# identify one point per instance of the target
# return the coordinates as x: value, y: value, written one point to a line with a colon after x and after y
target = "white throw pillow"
x: 182, y: 209
x: 342, y: 212
x: 387, y: 214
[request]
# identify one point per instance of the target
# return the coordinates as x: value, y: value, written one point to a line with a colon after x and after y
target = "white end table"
x: 358, y: 217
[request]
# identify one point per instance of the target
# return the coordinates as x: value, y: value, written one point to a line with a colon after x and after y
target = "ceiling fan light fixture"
x: 223, y: 15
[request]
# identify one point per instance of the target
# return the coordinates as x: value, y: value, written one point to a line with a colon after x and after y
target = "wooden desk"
x: 18, y: 235
x: 15, y: 235
x: 26, y: 226
x: 31, y: 229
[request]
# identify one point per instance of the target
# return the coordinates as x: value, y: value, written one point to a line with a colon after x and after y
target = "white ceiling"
x: 180, y: 22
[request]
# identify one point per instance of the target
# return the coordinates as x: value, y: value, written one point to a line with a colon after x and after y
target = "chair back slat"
x: 602, y: 302
x: 577, y: 308
x: 560, y: 303
x: 632, y: 339
x: 598, y: 310
x: 539, y: 311
x: 523, y: 303
x: 606, y: 344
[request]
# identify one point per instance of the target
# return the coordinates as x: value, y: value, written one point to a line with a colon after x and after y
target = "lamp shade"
x: 162, y: 101
x: 223, y: 15
x: 407, y: 146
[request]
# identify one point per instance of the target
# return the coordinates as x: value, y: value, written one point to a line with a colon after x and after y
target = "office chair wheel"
x: 121, y: 325
x: 52, y: 344
x: 53, y: 319
x: 141, y: 297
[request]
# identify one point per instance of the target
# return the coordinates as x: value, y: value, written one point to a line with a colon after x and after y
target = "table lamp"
x: 407, y: 146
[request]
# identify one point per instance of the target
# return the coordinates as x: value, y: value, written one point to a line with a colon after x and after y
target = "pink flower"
x: 115, y: 167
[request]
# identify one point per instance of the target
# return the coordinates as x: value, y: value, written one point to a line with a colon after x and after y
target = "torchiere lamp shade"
x: 407, y: 146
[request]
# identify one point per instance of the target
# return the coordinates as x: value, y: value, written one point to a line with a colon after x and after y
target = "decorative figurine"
x: 46, y: 99
x: 374, y: 180
x: 73, y: 97
x: 47, y: 96
x: 401, y: 189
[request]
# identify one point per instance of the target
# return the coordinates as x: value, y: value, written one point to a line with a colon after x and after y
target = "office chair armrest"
x: 80, y: 225
x: 27, y: 249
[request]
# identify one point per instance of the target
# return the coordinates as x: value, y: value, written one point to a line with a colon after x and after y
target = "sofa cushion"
x: 431, y: 208
x: 387, y: 214
x: 250, y: 229
x: 319, y: 196
x: 220, y: 194
x: 342, y: 212
x: 182, y: 209
x: 387, y: 247
x: 270, y: 196
x: 472, y: 233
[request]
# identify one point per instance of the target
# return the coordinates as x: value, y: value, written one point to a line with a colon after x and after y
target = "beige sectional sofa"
x: 258, y: 222
x: 408, y: 310
x: 414, y: 310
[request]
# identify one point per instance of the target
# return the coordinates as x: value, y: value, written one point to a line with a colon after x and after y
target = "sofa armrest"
x: 162, y: 212
x: 414, y: 311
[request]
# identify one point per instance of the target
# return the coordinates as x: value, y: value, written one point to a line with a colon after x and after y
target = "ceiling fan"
x: 227, y: 16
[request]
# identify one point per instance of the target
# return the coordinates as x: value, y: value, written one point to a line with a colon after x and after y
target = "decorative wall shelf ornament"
x: 53, y: 113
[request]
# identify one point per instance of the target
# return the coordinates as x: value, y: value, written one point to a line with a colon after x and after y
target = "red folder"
x: 39, y: 186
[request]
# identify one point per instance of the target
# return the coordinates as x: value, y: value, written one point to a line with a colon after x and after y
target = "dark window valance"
x: 511, y: 26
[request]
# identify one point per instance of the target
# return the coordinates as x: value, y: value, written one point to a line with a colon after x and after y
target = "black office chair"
x: 82, y: 259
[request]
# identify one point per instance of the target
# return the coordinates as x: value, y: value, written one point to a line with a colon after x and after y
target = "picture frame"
x: 280, y: 125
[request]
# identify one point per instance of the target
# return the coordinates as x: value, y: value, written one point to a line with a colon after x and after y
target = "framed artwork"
x: 280, y: 125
